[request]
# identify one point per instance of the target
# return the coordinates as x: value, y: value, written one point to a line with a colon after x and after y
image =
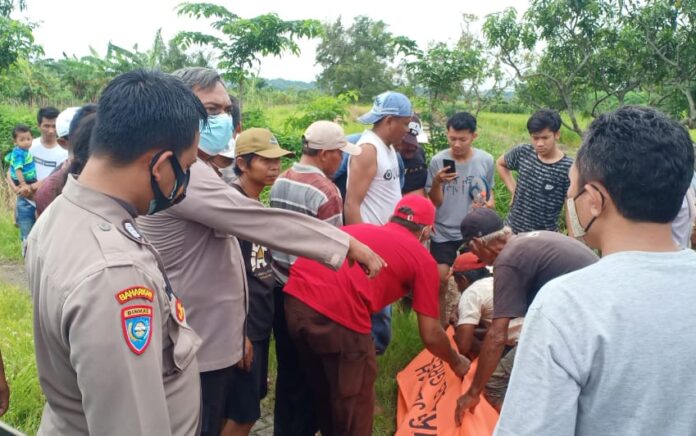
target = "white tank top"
x: 385, y: 190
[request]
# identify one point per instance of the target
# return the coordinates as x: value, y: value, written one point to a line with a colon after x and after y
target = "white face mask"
x: 574, y: 221
x: 421, y: 238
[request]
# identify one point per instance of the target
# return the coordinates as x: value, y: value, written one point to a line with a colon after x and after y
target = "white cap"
x: 63, y: 121
x: 327, y: 135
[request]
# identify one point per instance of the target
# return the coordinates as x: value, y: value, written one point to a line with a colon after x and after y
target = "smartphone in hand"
x: 449, y: 164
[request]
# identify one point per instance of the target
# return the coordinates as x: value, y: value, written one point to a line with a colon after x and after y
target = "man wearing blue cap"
x: 373, y: 188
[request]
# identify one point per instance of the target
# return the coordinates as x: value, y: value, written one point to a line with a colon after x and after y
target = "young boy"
x: 22, y: 168
x: 459, y: 180
x: 23, y: 175
x: 542, y: 175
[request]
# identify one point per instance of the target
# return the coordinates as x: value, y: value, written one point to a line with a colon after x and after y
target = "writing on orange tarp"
x: 433, y: 373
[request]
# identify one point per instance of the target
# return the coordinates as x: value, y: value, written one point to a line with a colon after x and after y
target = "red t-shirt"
x: 348, y: 297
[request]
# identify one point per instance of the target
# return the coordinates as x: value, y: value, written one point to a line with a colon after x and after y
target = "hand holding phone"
x: 449, y: 164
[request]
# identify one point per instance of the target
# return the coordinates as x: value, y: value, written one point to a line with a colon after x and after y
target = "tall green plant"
x: 244, y: 41
x: 16, y: 38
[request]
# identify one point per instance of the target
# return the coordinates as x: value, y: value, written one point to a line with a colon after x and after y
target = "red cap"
x: 467, y: 262
x: 417, y: 209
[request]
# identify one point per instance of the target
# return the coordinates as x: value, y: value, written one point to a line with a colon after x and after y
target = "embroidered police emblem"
x: 136, y: 322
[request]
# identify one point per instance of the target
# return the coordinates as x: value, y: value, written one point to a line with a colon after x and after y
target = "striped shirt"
x: 541, y: 190
x: 306, y: 190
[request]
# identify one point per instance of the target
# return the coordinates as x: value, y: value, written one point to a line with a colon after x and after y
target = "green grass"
x: 17, y: 345
x: 404, y: 346
x: 10, y: 245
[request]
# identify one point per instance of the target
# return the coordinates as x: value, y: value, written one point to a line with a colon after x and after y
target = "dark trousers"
x: 341, y: 369
x: 294, y: 408
x: 215, y: 386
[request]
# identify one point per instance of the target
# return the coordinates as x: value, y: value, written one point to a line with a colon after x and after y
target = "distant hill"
x: 284, y: 85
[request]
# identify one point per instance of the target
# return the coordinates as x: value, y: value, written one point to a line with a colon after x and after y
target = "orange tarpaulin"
x: 428, y: 392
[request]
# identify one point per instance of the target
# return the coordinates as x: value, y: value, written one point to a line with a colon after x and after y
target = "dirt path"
x: 13, y: 273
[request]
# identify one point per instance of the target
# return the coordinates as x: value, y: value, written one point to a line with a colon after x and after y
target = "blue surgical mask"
x: 216, y: 135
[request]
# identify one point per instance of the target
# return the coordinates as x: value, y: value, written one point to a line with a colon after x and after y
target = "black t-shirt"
x: 541, y: 190
x: 415, y: 172
x: 260, y: 280
x: 527, y: 262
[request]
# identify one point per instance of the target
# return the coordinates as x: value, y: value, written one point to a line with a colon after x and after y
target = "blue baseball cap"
x: 388, y: 103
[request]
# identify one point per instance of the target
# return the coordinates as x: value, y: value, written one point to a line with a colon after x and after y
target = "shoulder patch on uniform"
x: 136, y: 322
x: 130, y: 228
x: 180, y: 312
x: 134, y: 292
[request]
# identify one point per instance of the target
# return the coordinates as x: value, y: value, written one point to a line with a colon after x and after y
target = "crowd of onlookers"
x: 158, y: 276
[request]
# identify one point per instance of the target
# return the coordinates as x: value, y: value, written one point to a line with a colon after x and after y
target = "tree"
x: 16, y: 38
x: 668, y: 30
x: 585, y: 57
x: 440, y: 71
x: 244, y: 41
x: 358, y: 58
x: 484, y: 70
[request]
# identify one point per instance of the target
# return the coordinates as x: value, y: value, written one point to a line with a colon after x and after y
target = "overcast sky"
x: 72, y: 26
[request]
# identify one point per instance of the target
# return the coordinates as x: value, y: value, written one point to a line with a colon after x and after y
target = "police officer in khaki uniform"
x: 114, y: 352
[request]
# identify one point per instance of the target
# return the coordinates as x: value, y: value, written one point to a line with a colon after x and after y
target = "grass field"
x: 497, y: 132
x: 17, y: 345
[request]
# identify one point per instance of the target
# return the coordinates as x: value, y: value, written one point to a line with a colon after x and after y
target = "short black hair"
x: 307, y: 150
x: 643, y: 158
x: 236, y: 113
x: 474, y: 274
x: 20, y: 128
x: 79, y: 140
x: 410, y: 225
x: 48, y: 112
x: 544, y: 119
x: 247, y: 158
x: 462, y: 121
x: 143, y: 110
x: 85, y: 110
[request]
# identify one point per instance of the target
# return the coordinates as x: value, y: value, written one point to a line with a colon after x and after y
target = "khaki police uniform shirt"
x: 196, y: 239
x: 114, y: 353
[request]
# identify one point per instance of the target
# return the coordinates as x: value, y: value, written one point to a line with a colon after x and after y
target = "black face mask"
x: 161, y: 201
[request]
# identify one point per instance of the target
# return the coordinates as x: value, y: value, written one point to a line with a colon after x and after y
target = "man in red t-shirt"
x: 328, y: 314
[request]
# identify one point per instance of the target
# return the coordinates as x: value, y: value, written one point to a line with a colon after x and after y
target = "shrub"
x: 10, y: 116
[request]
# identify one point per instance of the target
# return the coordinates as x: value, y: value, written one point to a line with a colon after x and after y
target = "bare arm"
x: 436, y: 341
x: 506, y: 175
x: 363, y: 168
x: 20, y: 177
x: 466, y: 341
x: 491, y: 351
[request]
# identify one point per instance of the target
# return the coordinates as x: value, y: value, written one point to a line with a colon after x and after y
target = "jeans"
x: 25, y: 215
x: 381, y: 329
